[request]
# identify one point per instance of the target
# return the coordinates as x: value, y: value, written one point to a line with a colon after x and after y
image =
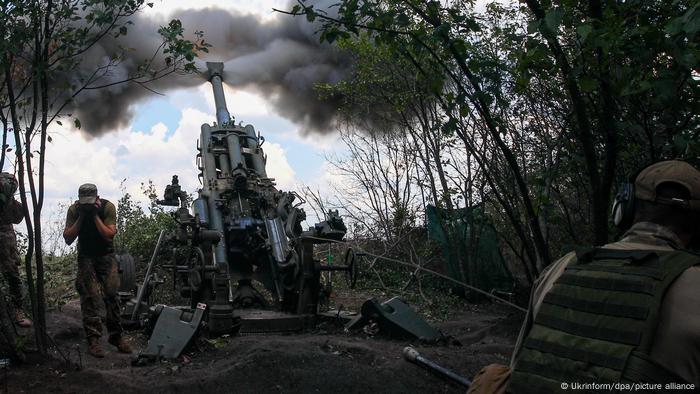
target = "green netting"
x: 470, y: 247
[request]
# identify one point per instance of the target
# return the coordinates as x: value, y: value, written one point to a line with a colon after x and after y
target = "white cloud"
x: 278, y: 167
x: 135, y: 157
x: 138, y: 158
x: 72, y: 161
x: 157, y: 158
x: 325, y: 183
x: 196, y: 98
x: 327, y: 180
x: 240, y: 104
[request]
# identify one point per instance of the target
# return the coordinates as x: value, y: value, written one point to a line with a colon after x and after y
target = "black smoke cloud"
x: 281, y: 58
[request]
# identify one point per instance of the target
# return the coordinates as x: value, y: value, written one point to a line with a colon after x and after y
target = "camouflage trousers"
x: 98, y: 283
x: 9, y: 265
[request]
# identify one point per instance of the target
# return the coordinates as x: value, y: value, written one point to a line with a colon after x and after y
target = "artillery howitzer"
x: 240, y: 230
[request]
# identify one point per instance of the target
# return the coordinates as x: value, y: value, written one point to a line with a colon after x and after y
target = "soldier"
x: 623, y: 313
x: 93, y: 221
x: 11, y: 213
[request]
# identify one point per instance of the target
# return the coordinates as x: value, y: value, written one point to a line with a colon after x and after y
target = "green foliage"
x: 432, y: 297
x: 138, y: 229
x: 378, y: 84
x: 60, y: 284
x: 21, y: 244
x: 554, y: 101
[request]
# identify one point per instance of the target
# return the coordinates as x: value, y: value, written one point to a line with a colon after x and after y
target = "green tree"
x: 42, y: 40
x: 602, y: 85
x: 138, y: 229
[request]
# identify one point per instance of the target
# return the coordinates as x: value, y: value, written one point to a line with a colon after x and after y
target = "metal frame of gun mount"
x: 242, y: 230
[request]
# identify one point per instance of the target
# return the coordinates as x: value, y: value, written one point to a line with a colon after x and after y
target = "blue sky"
x: 153, y: 111
x: 160, y: 140
x: 305, y: 158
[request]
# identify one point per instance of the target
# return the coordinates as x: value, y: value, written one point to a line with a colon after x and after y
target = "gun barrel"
x: 216, y: 71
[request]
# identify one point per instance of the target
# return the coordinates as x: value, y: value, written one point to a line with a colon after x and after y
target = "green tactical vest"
x: 597, y: 324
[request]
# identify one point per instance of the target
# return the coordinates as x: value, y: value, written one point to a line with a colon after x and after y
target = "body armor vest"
x: 597, y: 323
x: 90, y: 241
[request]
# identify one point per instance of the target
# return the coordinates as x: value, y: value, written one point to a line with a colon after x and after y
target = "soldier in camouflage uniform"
x: 11, y: 213
x: 93, y: 222
x: 626, y: 312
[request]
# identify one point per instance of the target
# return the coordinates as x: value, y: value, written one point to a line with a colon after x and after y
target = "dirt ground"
x: 323, y: 360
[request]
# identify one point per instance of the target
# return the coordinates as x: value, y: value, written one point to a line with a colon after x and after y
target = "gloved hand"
x: 492, y: 379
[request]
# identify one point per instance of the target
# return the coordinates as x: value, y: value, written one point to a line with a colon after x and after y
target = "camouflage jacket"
x: 10, y: 213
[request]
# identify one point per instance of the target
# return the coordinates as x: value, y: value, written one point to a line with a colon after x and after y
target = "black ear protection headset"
x: 624, y: 204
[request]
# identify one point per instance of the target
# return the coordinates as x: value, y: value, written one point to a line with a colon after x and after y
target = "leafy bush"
x: 138, y: 229
x: 60, y: 281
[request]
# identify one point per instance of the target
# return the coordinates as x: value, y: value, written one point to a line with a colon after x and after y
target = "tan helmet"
x: 669, y: 171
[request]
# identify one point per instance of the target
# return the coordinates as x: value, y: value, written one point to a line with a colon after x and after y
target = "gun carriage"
x: 240, y: 231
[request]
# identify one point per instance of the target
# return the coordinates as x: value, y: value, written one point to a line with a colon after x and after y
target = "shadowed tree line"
x: 535, y: 109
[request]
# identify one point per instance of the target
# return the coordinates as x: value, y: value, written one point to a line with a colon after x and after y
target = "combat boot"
x: 94, y: 347
x: 120, y: 343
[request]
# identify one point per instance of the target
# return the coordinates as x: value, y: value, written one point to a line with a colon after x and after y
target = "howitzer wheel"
x: 194, y: 279
x: 127, y: 272
x: 351, y: 268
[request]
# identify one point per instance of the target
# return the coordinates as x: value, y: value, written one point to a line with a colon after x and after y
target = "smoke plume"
x: 282, y: 59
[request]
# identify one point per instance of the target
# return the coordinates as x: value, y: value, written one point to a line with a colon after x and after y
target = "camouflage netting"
x: 470, y: 248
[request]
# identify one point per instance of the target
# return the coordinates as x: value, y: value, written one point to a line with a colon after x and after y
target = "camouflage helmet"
x: 8, y: 184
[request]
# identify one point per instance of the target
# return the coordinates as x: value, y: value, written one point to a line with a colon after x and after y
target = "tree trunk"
x: 39, y: 194
x: 23, y: 194
x: 3, y: 153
